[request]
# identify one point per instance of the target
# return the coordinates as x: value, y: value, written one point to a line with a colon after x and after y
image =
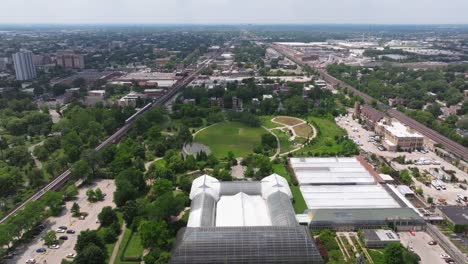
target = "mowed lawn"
x: 231, y: 136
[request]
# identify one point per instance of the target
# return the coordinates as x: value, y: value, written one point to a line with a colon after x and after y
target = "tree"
x: 91, y: 254
x: 81, y: 169
x: 269, y: 141
x: 54, y: 201
x: 71, y: 191
x: 154, y: 234
x: 50, y: 238
x: 393, y: 254
x: 107, y: 216
x: 98, y: 194
x: 88, y: 237
x: 91, y: 195
x: 161, y: 187
x: 430, y: 200
x: 75, y: 210
x: 130, y: 210
x: 6, y: 234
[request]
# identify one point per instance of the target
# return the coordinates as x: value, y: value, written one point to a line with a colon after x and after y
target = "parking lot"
x: 420, y: 245
x: 362, y: 136
x: 55, y: 256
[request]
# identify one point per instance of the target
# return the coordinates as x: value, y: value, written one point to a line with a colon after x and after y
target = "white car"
x: 443, y: 256
x: 31, y: 261
x: 60, y: 230
x: 71, y: 255
x: 55, y: 246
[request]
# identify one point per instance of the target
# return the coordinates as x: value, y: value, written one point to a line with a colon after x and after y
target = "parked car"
x: 450, y: 261
x: 443, y: 256
x: 412, y: 232
x: 82, y: 217
x: 41, y: 250
x: 55, y: 246
x: 432, y: 243
x: 60, y: 230
x: 71, y: 255
x: 70, y: 231
x: 31, y: 261
x: 63, y: 227
x: 63, y: 238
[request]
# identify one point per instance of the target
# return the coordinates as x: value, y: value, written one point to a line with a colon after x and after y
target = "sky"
x: 234, y: 11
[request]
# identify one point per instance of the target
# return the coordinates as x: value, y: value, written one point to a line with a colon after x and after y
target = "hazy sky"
x: 234, y: 11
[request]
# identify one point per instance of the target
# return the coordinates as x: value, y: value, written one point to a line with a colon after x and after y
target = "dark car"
x: 432, y: 243
x: 449, y: 260
x: 40, y: 250
x: 70, y: 231
x: 63, y: 227
x: 63, y: 238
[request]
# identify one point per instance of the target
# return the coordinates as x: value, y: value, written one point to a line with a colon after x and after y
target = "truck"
x: 436, y: 185
x: 441, y: 184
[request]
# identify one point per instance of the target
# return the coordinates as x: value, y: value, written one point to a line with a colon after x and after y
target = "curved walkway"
x: 290, y: 128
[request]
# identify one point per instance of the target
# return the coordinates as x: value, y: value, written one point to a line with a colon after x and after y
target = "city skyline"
x: 235, y: 12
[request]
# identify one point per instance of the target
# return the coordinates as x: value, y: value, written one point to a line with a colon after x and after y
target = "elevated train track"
x: 62, y: 178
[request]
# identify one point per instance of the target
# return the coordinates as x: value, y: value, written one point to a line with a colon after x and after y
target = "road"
x: 449, y: 145
x: 58, y: 181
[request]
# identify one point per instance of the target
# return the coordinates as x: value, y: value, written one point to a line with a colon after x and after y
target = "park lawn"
x: 134, y: 247
x: 266, y: 122
x: 299, y: 203
x: 231, y: 136
x: 377, y: 255
x: 285, y: 144
x: 325, y: 141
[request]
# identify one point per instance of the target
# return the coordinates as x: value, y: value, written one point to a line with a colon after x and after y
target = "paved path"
x: 290, y: 128
x: 148, y: 164
x: 31, y: 150
x: 117, y: 245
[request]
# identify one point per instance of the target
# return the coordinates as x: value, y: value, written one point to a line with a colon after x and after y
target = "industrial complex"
x: 345, y: 194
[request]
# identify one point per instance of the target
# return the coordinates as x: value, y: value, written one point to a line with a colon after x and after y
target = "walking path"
x: 290, y: 128
x: 148, y: 164
x: 117, y: 245
x: 31, y: 150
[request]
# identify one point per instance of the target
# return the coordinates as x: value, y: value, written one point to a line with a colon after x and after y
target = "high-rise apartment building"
x: 24, y: 66
x: 70, y: 60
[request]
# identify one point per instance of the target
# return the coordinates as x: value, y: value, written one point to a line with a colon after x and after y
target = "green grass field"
x: 325, y: 141
x: 266, y: 122
x: 133, y: 249
x: 299, y: 203
x: 231, y: 136
x: 285, y: 144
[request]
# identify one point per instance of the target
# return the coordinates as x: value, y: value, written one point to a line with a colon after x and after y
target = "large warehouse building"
x: 345, y: 194
x: 243, y: 222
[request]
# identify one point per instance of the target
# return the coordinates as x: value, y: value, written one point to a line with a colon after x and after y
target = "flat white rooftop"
x: 320, y: 171
x: 399, y: 130
x: 347, y: 196
x: 242, y: 210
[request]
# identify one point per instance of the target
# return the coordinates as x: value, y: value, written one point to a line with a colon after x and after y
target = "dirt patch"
x: 286, y: 120
x: 303, y: 130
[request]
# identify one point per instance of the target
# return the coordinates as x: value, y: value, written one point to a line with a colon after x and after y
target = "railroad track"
x: 59, y: 180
